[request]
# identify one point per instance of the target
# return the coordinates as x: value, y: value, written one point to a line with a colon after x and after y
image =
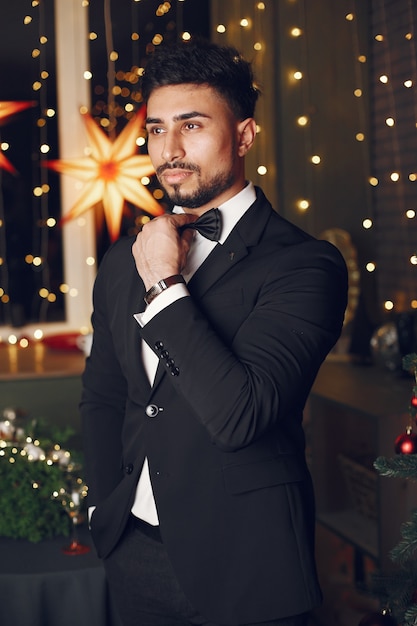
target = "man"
x: 204, y: 353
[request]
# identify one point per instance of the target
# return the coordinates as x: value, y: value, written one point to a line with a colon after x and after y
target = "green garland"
x: 34, y: 482
x: 28, y: 509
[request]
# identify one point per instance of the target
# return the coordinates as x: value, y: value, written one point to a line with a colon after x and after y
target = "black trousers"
x: 145, y: 589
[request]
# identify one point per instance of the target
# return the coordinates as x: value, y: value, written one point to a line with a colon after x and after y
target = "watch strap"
x: 161, y: 285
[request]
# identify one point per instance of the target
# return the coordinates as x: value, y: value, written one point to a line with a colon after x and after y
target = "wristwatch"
x: 160, y: 286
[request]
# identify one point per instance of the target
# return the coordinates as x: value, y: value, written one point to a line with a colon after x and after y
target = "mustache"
x: 177, y: 165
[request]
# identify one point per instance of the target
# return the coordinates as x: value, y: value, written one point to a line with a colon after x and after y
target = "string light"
x: 303, y: 204
x: 124, y: 99
x: 125, y: 88
x: 302, y: 120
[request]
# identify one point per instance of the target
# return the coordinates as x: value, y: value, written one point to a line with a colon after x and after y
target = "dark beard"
x: 204, y: 194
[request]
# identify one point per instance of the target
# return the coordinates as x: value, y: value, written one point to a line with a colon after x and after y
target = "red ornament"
x: 414, y: 401
x: 406, y: 443
x: 377, y: 619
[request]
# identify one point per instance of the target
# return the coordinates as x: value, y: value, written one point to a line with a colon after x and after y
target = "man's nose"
x: 172, y: 148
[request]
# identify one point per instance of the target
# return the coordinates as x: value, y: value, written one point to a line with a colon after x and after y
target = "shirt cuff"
x: 90, y: 512
x: 164, y: 299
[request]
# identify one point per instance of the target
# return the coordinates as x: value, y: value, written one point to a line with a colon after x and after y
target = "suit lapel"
x: 247, y: 233
x: 244, y: 235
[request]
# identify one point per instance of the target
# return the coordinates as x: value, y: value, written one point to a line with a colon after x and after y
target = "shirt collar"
x: 232, y: 210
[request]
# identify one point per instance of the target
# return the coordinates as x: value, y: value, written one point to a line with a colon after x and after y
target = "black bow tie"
x: 209, y: 225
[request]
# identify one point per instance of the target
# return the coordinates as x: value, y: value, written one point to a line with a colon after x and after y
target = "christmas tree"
x: 397, y: 590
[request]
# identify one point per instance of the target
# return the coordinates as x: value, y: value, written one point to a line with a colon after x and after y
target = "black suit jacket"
x: 224, y: 435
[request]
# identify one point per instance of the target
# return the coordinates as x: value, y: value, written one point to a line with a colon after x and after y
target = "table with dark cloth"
x: 42, y: 586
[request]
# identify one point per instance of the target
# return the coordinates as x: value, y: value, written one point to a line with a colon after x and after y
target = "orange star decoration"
x: 7, y: 109
x: 111, y: 174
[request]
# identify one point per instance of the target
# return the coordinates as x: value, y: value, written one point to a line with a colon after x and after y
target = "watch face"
x: 153, y: 292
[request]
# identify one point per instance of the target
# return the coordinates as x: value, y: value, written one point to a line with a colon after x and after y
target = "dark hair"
x: 201, y: 62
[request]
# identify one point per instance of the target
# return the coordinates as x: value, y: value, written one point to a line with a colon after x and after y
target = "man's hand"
x: 161, y: 248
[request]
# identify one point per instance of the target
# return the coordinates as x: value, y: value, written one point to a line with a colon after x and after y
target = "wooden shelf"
x: 38, y: 361
x: 356, y: 412
x: 364, y: 388
x: 44, y: 383
x: 352, y: 527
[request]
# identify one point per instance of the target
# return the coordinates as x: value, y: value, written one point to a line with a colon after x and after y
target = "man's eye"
x: 191, y: 126
x: 155, y: 131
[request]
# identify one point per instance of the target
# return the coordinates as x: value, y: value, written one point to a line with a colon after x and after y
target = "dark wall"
x: 338, y: 189
x: 325, y: 54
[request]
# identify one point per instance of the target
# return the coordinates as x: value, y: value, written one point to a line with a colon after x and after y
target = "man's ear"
x: 246, y: 135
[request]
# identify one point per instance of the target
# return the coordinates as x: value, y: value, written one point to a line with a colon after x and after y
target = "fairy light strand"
x: 41, y: 200
x: 123, y: 99
x: 397, y: 292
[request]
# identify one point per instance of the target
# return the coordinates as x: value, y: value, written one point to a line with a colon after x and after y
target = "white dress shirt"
x: 231, y: 211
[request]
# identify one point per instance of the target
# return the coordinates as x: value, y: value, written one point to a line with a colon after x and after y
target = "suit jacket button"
x: 129, y: 468
x: 151, y: 410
